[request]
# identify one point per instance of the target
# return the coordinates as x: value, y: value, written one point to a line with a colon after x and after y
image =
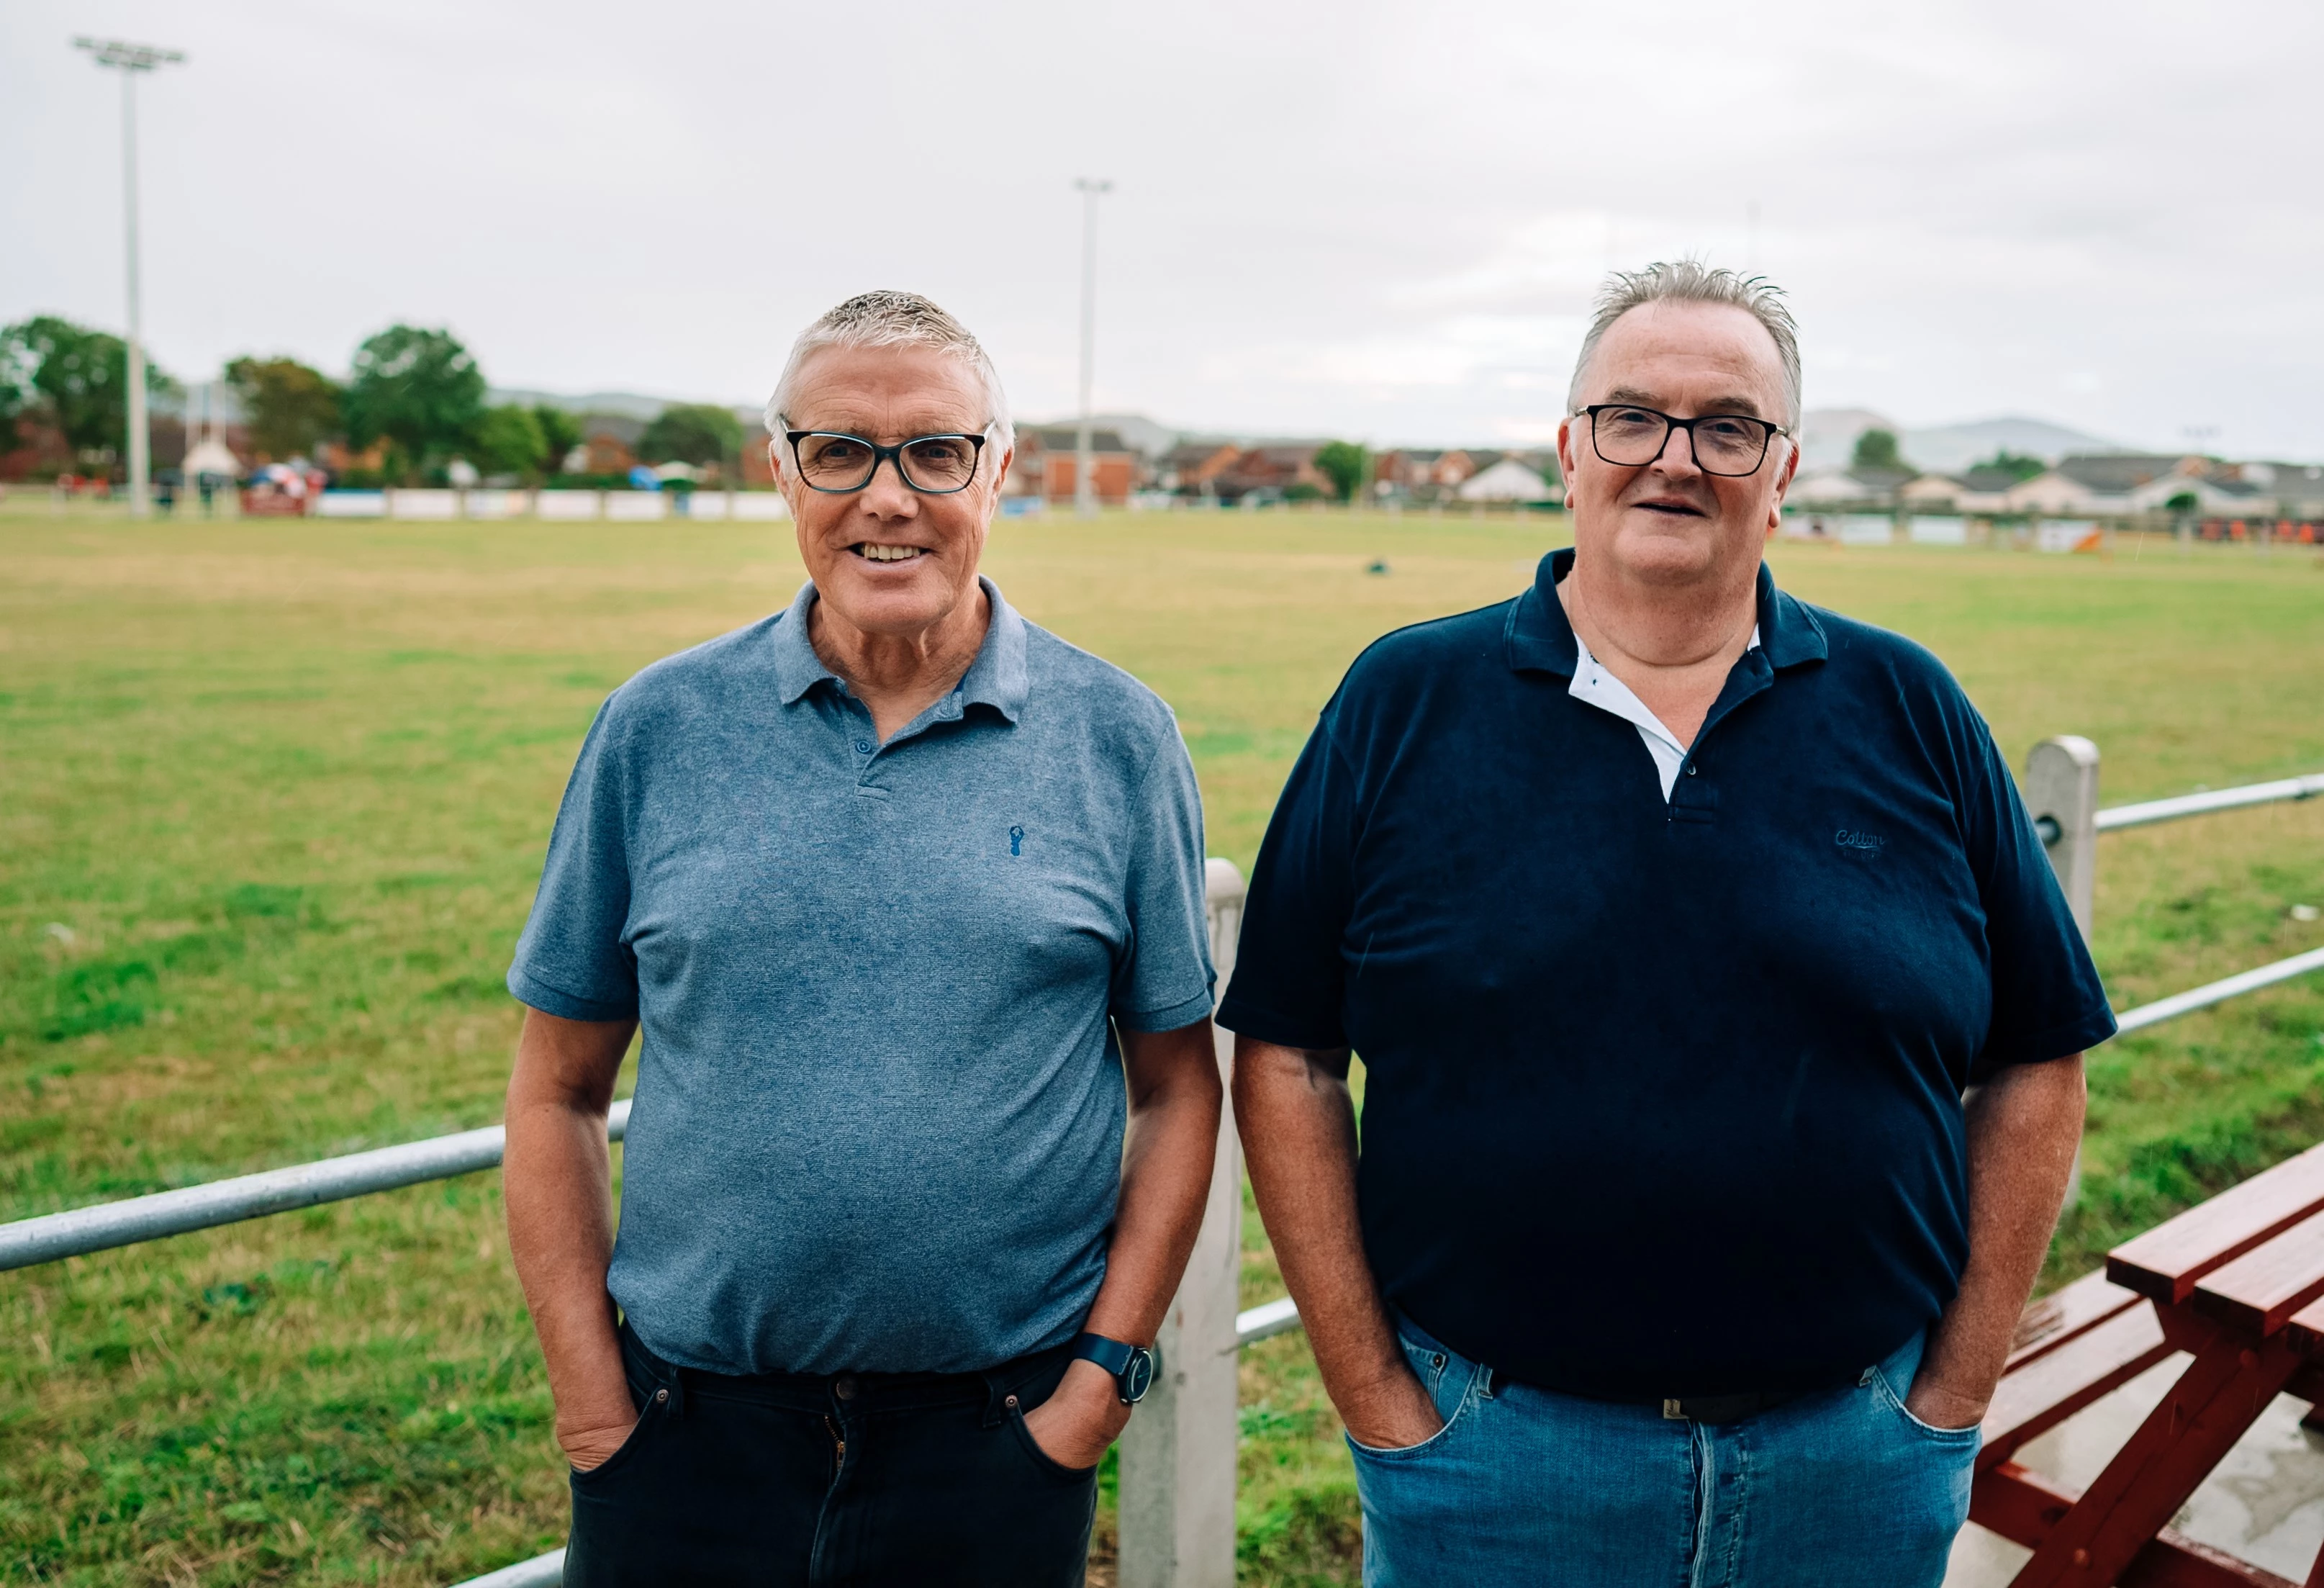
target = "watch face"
x: 1136, y: 1375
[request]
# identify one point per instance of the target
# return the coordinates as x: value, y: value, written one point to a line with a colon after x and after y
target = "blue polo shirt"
x: 879, y: 1111
x: 1661, y: 1098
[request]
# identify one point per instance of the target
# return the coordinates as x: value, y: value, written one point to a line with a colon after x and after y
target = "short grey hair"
x: 893, y: 320
x: 1690, y: 281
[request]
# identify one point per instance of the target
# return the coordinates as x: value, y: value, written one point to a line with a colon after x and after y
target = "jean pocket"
x: 1047, y: 1465
x: 1441, y: 1375
x: 1968, y: 1439
x: 648, y: 1415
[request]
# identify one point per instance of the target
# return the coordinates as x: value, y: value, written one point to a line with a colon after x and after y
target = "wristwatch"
x: 1132, y: 1366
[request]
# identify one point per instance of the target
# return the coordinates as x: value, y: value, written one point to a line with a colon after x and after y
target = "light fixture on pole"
x: 130, y: 59
x: 1084, y: 457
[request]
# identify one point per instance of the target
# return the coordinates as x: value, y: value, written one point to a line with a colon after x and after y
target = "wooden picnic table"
x: 2238, y: 1284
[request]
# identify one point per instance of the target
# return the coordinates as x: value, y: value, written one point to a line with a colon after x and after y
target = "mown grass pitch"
x: 272, y: 801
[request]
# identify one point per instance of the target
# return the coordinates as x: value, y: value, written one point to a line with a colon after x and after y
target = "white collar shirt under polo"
x: 1594, y: 686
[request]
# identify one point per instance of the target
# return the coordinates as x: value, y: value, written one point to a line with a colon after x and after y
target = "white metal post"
x: 130, y: 59
x: 141, y: 462
x: 2062, y: 794
x: 1177, y: 1494
x: 1084, y: 457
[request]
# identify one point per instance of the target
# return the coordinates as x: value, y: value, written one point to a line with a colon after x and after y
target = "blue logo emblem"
x: 1851, y: 839
x: 1016, y: 840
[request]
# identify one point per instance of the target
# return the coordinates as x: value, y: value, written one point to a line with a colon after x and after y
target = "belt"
x: 1727, y: 1408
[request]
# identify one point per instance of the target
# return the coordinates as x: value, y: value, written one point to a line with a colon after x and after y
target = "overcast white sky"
x: 1328, y: 218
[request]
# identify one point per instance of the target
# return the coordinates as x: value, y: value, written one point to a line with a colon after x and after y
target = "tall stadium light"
x: 1084, y: 456
x: 130, y: 59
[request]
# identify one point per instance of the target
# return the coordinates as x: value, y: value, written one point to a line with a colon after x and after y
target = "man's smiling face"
x: 1667, y: 522
x: 887, y: 559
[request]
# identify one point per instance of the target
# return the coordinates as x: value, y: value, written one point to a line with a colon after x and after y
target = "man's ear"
x: 1566, y: 457
x: 1783, y: 476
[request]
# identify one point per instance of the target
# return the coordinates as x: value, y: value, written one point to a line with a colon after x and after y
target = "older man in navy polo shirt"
x: 1672, y: 918
x: 905, y: 897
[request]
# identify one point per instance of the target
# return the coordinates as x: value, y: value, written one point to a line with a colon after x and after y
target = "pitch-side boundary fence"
x: 1177, y: 1473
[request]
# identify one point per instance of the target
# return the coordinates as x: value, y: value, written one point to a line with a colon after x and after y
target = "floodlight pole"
x: 130, y: 59
x: 1084, y: 456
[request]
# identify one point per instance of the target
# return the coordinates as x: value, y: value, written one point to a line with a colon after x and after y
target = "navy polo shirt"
x: 1661, y: 1098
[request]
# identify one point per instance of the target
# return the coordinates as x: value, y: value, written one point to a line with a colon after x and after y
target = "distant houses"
x: 1255, y: 474
x: 2081, y: 484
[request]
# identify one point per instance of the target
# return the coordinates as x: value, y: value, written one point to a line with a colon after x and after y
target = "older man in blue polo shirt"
x: 905, y: 897
x: 1672, y: 918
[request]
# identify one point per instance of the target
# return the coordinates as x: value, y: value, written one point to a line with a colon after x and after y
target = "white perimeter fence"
x: 623, y: 506
x: 1177, y: 1476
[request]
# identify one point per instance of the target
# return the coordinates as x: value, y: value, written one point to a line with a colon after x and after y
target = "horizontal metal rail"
x: 2219, y: 992
x: 542, y: 1571
x: 1273, y: 1317
x: 126, y: 1223
x: 2185, y: 804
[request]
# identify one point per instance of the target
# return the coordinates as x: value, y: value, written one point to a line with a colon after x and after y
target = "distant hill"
x: 1828, y: 439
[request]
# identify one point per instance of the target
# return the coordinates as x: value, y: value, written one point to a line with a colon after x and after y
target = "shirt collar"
x: 996, y: 677
x: 1539, y: 637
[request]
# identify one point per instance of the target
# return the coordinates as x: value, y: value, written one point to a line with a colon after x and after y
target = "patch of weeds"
x: 264, y: 900
x: 99, y: 995
x: 1308, y: 1539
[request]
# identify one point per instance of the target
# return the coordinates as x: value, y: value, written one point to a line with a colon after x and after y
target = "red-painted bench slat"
x: 2065, y: 1315
x: 2035, y: 1399
x: 2307, y: 1328
x: 2166, y: 1261
x: 2261, y: 1290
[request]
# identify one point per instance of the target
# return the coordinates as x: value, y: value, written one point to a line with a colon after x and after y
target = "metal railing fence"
x: 1178, y: 1459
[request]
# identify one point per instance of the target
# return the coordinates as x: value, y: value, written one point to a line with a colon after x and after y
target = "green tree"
x: 1877, y: 449
x: 691, y: 432
x: 289, y: 407
x: 1345, y: 464
x: 2019, y: 465
x: 560, y: 433
x: 418, y: 389
x: 80, y: 376
x: 507, y: 440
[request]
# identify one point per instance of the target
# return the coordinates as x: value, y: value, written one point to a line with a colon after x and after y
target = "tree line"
x: 414, y: 395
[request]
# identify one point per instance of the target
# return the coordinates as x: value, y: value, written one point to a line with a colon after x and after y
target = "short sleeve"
x: 2048, y: 1002
x: 1165, y: 980
x: 571, y: 961
x: 1291, y: 977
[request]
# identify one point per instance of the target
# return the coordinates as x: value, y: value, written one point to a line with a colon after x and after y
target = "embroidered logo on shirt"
x: 1870, y: 842
x: 1016, y: 840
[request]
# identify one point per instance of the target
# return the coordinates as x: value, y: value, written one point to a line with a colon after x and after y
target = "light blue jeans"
x: 1844, y: 1489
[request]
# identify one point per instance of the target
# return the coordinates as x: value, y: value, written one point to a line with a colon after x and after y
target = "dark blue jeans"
x: 1844, y: 1489
x: 852, y: 1481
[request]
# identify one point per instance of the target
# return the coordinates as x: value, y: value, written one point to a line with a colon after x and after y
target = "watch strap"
x: 1112, y: 1355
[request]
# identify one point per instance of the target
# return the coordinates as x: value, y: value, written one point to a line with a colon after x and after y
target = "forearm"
x: 1298, y: 1127
x: 2024, y: 1128
x: 1170, y: 1150
x: 558, y: 1185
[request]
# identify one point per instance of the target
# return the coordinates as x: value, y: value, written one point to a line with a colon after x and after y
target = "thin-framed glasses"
x: 1732, y: 445
x: 935, y: 466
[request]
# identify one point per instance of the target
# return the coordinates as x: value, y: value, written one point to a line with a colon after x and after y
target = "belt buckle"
x: 1674, y: 1411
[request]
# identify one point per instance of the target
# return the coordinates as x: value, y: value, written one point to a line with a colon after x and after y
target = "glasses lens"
x: 939, y: 463
x: 835, y: 462
x: 1729, y: 446
x: 1630, y: 437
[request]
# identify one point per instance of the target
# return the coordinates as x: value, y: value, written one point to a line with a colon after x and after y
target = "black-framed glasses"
x: 1727, y: 444
x: 836, y: 463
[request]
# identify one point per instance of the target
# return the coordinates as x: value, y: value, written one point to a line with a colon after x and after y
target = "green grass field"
x: 272, y: 796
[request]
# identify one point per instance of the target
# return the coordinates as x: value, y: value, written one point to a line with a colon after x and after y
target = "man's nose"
x: 1677, y: 456
x: 887, y: 495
